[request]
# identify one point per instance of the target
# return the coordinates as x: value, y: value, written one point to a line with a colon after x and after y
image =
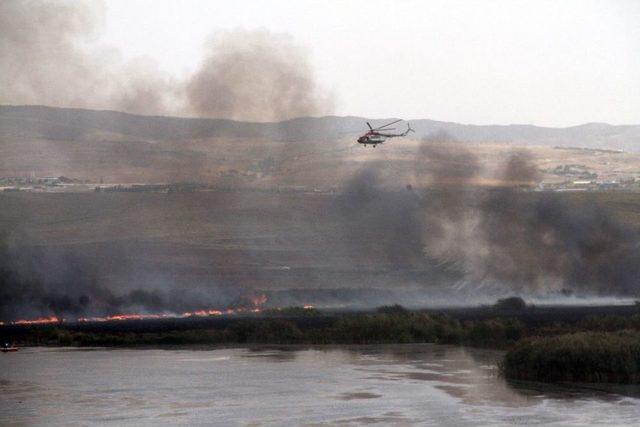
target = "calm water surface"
x: 384, y: 385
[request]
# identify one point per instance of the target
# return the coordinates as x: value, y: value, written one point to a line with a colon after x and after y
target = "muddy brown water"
x: 369, y: 385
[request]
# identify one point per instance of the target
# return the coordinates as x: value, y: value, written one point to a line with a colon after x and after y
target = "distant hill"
x: 39, y: 122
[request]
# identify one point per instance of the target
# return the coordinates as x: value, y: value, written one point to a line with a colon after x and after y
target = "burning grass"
x: 541, y: 344
x: 294, y: 325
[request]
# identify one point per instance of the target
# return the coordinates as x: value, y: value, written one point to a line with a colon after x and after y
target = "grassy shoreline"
x: 587, y: 357
x: 594, y: 349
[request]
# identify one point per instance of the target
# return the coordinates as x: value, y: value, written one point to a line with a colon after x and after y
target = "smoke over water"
x: 49, y: 57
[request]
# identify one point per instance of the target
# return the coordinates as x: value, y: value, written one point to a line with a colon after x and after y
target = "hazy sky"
x: 554, y: 63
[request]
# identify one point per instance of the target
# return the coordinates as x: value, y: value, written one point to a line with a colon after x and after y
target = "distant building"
x: 50, y: 180
x: 611, y: 185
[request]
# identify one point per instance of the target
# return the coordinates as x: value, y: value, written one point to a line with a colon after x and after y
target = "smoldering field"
x: 374, y: 241
x: 428, y: 223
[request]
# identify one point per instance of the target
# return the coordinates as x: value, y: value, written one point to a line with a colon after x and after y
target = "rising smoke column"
x: 379, y: 225
x: 255, y: 76
x: 67, y: 283
x: 520, y: 240
x: 46, y: 58
x: 502, y: 239
x: 545, y: 242
x: 48, y: 55
x: 38, y: 281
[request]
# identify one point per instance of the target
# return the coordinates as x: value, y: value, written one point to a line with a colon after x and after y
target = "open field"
x: 318, y: 164
x: 300, y: 212
x: 207, y: 218
x: 233, y: 242
x: 314, y: 153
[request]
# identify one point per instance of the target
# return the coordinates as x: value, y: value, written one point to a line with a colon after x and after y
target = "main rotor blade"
x: 369, y: 126
x: 385, y: 129
x: 388, y: 124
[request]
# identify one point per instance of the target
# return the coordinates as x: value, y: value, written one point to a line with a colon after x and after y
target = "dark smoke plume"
x: 525, y: 241
x: 69, y: 282
x: 520, y: 170
x: 502, y: 238
x: 549, y: 244
x: 256, y: 76
x: 47, y: 58
x: 379, y: 224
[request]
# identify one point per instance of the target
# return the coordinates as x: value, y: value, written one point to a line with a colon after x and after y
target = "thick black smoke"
x: 380, y: 240
x: 379, y: 224
x: 546, y: 243
x: 69, y: 282
x: 506, y: 238
x: 524, y: 240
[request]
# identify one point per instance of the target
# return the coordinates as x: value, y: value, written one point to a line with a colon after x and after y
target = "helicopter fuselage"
x: 375, y: 135
x: 372, y: 138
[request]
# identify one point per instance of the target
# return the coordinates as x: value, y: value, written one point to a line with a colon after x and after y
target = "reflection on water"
x: 400, y: 385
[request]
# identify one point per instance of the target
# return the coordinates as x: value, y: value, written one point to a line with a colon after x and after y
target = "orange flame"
x: 256, y: 301
x: 38, y: 321
x: 202, y: 313
x: 259, y: 300
x: 130, y: 316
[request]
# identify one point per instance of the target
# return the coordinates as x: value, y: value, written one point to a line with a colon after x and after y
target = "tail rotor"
x: 409, y: 129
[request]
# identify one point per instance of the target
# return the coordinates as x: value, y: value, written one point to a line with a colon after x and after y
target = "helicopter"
x: 377, y: 136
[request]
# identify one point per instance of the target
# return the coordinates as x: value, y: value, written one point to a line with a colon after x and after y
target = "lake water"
x: 384, y: 385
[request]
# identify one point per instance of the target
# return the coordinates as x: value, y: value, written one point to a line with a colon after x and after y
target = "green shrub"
x: 392, y: 309
x: 511, y: 304
x: 581, y: 357
x: 494, y: 333
x: 293, y: 311
x: 395, y: 328
x: 276, y: 331
x: 610, y: 323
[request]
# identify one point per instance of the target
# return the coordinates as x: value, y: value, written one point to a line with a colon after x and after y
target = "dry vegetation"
x: 263, y: 163
x: 596, y: 349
